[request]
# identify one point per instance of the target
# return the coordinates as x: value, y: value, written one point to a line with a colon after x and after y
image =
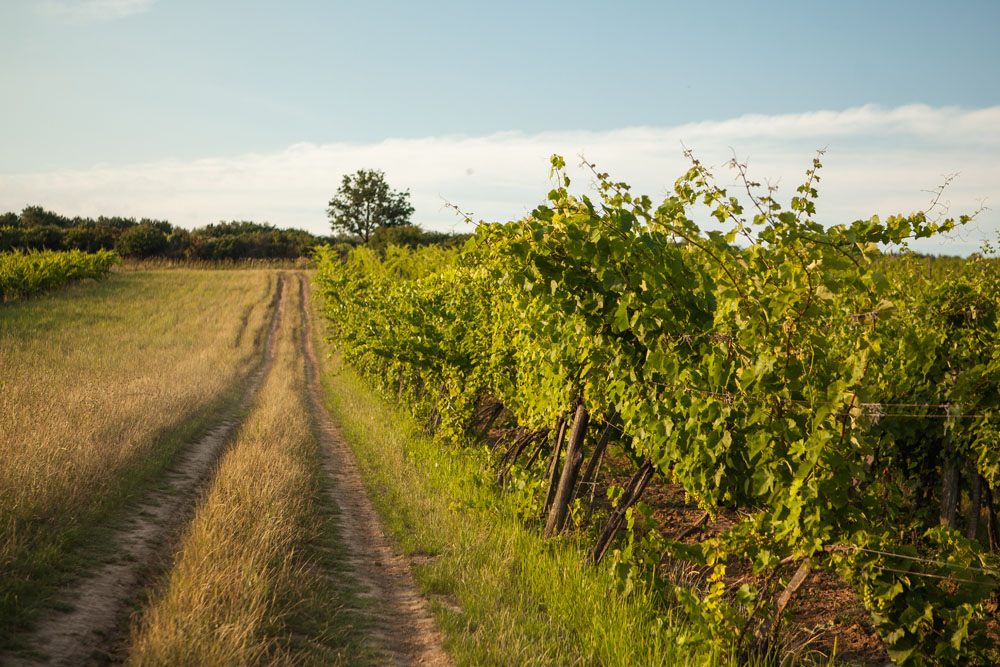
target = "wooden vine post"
x: 522, y: 443
x: 976, y: 502
x: 767, y: 631
x: 594, y: 464
x: 553, y: 469
x: 492, y: 415
x: 571, y: 468
x: 992, y: 527
x: 541, y: 443
x: 950, y: 476
x: 633, y: 492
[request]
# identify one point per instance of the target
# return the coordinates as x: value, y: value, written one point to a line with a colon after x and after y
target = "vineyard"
x: 812, y: 380
x: 25, y: 273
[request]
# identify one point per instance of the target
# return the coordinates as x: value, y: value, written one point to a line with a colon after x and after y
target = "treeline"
x: 410, y: 236
x: 38, y: 229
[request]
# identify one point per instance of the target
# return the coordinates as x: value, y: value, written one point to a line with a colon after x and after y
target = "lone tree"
x: 364, y: 203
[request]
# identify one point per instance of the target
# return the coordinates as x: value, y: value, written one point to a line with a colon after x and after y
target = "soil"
x: 403, y: 630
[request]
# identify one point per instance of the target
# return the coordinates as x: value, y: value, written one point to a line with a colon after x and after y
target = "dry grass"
x: 94, y: 377
x: 241, y: 580
x: 160, y: 263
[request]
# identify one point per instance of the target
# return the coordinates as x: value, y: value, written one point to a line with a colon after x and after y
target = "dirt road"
x: 403, y: 629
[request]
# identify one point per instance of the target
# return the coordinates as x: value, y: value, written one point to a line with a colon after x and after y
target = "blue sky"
x: 197, y: 111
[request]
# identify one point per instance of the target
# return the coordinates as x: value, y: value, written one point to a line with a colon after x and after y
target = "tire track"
x: 94, y: 630
x: 403, y: 629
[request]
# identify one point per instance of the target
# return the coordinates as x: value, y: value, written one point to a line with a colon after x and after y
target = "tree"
x: 364, y: 203
x: 141, y: 241
x: 36, y: 216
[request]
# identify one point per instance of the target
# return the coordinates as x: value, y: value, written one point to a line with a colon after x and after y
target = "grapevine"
x: 795, y: 371
x: 23, y: 274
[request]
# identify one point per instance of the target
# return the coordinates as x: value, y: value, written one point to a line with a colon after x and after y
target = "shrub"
x: 141, y: 241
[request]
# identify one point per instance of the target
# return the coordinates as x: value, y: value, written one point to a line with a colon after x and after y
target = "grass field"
x: 101, y: 384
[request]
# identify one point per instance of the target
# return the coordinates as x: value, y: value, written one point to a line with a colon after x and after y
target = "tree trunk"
x: 567, y: 481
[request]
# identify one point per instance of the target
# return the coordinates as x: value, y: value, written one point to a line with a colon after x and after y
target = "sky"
x: 197, y: 111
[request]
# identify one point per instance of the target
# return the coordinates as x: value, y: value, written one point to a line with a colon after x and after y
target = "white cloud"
x: 87, y: 11
x: 878, y: 161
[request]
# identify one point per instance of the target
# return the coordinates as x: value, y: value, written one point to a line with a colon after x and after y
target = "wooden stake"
x: 593, y: 487
x: 690, y: 530
x: 493, y: 414
x: 992, y: 529
x: 518, y: 447
x: 949, y: 478
x: 567, y: 481
x: 631, y: 496
x: 553, y: 469
x: 949, y: 495
x: 595, y: 459
x: 977, y: 491
x: 770, y: 627
x: 541, y: 443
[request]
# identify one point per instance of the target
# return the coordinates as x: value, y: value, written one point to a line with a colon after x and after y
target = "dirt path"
x: 403, y: 629
x: 93, y: 631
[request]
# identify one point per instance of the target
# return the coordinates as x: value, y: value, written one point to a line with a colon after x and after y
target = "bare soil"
x: 403, y: 630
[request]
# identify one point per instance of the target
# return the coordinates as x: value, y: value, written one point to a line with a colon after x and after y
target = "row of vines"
x: 841, y: 401
x: 23, y: 274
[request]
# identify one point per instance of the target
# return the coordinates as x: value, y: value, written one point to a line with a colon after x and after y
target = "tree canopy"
x: 364, y: 203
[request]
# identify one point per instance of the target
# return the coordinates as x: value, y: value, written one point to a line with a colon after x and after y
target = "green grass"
x: 501, y: 593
